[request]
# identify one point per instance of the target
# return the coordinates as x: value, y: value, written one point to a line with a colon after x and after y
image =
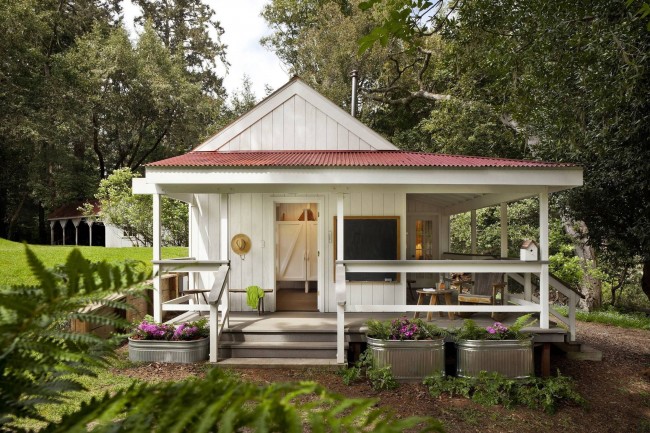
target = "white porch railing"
x: 216, y: 302
x: 506, y: 266
x: 571, y: 294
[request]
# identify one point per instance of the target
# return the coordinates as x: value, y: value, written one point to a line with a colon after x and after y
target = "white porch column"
x: 76, y: 222
x: 504, y: 230
x: 340, y: 282
x: 443, y: 235
x: 90, y: 232
x: 473, y: 231
x: 225, y: 297
x: 543, y: 247
x: 52, y: 232
x: 157, y: 305
x: 63, y: 223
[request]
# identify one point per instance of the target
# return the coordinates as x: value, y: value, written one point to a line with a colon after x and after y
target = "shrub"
x: 494, y: 389
x: 379, y: 378
x: 497, y: 331
x: 187, y: 331
x: 403, y: 329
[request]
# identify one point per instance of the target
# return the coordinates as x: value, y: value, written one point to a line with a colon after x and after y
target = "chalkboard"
x: 370, y: 238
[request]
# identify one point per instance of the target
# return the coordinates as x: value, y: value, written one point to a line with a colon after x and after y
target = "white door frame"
x: 270, y: 217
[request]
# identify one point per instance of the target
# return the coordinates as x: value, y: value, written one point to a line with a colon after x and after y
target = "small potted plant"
x: 495, y: 348
x: 412, y: 348
x: 158, y: 342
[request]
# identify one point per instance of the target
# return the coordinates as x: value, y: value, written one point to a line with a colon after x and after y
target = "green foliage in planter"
x: 494, y: 389
x: 380, y: 378
x: 471, y: 331
x: 404, y: 329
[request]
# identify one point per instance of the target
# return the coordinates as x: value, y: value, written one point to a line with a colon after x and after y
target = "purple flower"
x: 491, y: 330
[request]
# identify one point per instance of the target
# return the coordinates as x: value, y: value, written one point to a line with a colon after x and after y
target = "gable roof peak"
x: 296, y: 117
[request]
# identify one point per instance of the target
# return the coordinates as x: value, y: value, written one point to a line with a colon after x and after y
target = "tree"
x: 133, y: 212
x: 188, y: 28
x: 32, y: 34
x: 131, y: 104
x: 573, y: 78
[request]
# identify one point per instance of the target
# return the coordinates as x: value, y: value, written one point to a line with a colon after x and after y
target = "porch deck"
x: 309, y: 322
x: 355, y: 323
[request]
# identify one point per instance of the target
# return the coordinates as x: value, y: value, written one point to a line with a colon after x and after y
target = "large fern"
x: 221, y: 403
x: 40, y: 357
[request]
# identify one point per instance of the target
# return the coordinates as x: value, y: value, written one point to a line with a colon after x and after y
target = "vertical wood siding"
x: 254, y: 215
x: 296, y: 125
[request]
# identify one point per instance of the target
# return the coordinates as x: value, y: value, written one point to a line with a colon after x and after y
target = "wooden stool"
x: 434, y: 301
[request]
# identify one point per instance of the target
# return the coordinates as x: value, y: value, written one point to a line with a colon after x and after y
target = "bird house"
x: 529, y: 251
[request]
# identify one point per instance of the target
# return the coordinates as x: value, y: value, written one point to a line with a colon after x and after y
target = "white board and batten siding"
x: 296, y: 125
x: 254, y: 215
x: 369, y: 292
x: 296, y: 117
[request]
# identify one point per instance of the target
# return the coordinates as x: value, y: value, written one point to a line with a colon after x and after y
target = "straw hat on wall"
x: 240, y: 244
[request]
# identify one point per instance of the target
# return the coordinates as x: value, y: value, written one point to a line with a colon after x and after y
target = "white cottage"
x: 297, y: 173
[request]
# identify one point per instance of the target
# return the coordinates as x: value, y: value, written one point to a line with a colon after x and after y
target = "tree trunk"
x: 645, y: 280
x: 590, y: 286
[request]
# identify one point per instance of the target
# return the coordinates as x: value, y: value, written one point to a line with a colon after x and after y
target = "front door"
x: 296, y: 256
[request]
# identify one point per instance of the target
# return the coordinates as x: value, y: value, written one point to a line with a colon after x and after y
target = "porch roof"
x: 343, y: 158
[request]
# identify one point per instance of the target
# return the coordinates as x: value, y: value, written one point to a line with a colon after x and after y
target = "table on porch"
x: 446, y: 293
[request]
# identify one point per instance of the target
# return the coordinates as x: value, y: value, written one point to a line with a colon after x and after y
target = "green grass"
x: 105, y: 381
x: 14, y: 269
x: 611, y: 317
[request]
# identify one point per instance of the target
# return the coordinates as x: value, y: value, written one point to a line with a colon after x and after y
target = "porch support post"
x: 157, y: 278
x: 76, y: 222
x: 225, y: 297
x: 528, y: 287
x: 340, y: 282
x: 443, y: 235
x: 504, y: 230
x: 543, y: 246
x: 52, y: 232
x: 473, y: 230
x: 90, y: 232
x: 63, y: 223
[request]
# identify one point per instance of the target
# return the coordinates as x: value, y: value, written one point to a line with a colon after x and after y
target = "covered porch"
x: 454, y: 191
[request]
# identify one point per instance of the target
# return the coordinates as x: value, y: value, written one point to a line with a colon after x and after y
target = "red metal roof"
x: 341, y: 158
x: 71, y: 210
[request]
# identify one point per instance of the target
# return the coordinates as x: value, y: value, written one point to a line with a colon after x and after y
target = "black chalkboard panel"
x: 370, y: 238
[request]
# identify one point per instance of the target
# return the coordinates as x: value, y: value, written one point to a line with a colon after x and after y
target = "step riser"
x: 276, y: 353
x: 279, y: 337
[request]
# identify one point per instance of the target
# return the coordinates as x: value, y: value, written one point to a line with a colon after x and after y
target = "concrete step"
x: 320, y: 363
x: 277, y: 349
x: 580, y: 352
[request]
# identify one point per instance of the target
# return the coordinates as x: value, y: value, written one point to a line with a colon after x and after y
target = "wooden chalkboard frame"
x: 373, y: 277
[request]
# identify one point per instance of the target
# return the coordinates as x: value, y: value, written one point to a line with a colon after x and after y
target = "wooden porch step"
x: 278, y: 349
x: 286, y: 336
x: 320, y: 363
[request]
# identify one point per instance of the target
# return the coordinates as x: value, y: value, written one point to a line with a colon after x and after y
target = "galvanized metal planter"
x: 410, y: 360
x: 511, y: 358
x: 184, y: 352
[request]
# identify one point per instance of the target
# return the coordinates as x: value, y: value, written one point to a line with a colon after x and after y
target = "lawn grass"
x: 14, y: 269
x: 105, y: 381
x: 611, y: 317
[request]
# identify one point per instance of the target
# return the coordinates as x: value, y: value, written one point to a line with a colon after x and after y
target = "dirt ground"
x: 617, y: 390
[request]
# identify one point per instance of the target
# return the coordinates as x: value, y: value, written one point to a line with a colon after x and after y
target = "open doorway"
x: 296, y: 256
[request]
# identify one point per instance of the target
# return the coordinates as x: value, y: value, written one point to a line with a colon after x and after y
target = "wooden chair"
x: 485, y: 289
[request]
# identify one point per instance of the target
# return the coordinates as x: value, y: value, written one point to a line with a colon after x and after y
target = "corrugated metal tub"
x: 410, y: 360
x: 184, y: 352
x: 511, y: 358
